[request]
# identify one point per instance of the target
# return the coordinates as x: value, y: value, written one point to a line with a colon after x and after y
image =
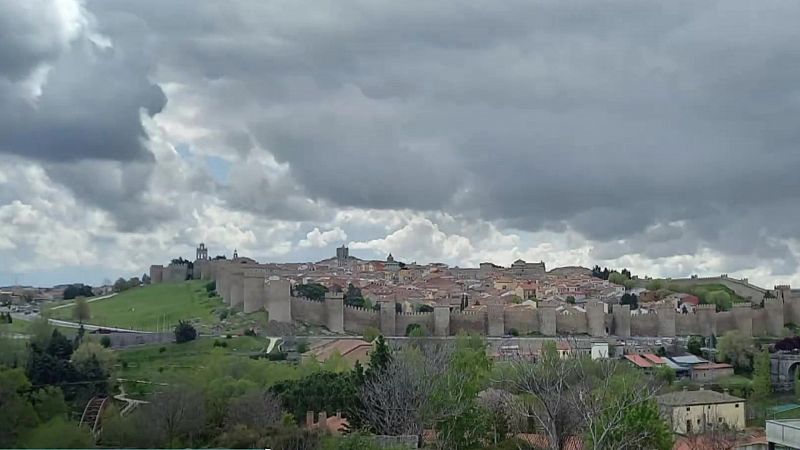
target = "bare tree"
x: 714, y: 435
x: 255, y: 409
x: 178, y: 411
x: 503, y: 408
x: 416, y: 390
x: 605, y: 396
x: 547, y: 386
x: 571, y: 395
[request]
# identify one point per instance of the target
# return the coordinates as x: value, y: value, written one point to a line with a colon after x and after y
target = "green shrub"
x: 162, y: 349
x: 302, y: 346
x: 105, y: 341
x: 185, y: 332
x: 513, y: 332
x: 371, y: 333
x: 218, y: 343
x: 211, y: 286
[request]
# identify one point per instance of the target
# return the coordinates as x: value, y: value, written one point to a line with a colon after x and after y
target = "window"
x: 720, y: 420
x: 688, y: 409
x: 688, y: 426
x: 737, y: 405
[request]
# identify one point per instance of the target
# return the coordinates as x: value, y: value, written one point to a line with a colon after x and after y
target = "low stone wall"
x: 122, y: 340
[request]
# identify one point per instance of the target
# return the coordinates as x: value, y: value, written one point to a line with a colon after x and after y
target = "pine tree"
x: 380, y: 357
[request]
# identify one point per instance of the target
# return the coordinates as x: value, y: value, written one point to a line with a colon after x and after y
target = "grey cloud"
x: 612, y: 119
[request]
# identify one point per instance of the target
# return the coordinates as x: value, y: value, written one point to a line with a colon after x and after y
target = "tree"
x: 16, y: 414
x: 178, y: 412
x: 184, y: 332
x: 80, y: 311
x: 83, y: 355
x: 353, y: 296
x: 57, y: 433
x: 736, y: 348
x: 320, y: 391
x: 423, y: 308
x: 379, y: 358
x: 762, y: 383
x: 134, y: 282
x: 630, y: 299
x: 695, y: 345
x: 666, y: 375
x: 370, y: 334
x: 570, y: 299
x: 655, y: 285
x: 311, y: 291
x: 256, y: 409
x: 721, y: 299
x: 605, y: 400
x: 432, y: 383
x: 120, y: 285
x: 617, y: 278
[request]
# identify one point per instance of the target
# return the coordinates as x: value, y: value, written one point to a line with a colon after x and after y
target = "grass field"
x: 200, y: 362
x: 15, y: 327
x: 150, y: 362
x: 153, y: 307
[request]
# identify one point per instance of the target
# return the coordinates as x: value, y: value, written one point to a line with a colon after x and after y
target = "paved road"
x: 93, y: 299
x: 68, y: 324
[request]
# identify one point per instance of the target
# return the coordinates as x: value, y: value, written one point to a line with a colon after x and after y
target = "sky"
x: 659, y: 136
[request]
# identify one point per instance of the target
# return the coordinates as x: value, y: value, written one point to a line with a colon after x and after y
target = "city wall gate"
x: 783, y: 370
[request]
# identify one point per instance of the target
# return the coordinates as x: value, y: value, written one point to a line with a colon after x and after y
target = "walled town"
x: 324, y: 354
x: 523, y: 299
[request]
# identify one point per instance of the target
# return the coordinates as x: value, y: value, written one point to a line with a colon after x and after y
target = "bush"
x: 211, y: 286
x: 513, y: 332
x: 280, y: 356
x: 371, y: 333
x: 185, y: 332
x: 162, y: 349
x: 105, y: 341
x: 250, y: 332
x: 302, y: 346
x: 228, y: 336
x: 218, y: 343
x: 124, y: 364
x: 223, y: 315
x: 412, y: 327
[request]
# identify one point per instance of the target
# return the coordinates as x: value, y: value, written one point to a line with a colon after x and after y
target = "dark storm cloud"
x: 617, y: 119
x: 71, y: 97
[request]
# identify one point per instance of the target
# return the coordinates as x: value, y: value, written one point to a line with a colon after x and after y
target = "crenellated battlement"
x: 414, y: 313
x: 360, y: 308
x: 251, y: 284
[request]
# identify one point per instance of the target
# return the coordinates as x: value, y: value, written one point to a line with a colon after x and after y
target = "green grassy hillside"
x: 151, y: 307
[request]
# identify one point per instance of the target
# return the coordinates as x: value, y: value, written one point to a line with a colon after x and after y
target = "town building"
x: 696, y: 411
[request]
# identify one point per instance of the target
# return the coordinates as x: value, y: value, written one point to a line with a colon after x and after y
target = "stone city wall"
x: 468, y: 322
x: 246, y: 287
x: 356, y: 319
x: 571, y: 323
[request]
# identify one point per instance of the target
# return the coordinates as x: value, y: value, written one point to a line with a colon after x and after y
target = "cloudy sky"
x: 658, y: 136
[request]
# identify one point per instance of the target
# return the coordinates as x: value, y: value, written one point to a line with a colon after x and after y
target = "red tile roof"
x: 639, y: 360
x: 655, y: 359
